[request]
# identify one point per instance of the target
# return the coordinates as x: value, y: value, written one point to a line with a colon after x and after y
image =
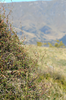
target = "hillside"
x: 39, y: 20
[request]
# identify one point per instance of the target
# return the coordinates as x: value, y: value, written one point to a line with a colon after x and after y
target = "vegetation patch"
x: 29, y: 72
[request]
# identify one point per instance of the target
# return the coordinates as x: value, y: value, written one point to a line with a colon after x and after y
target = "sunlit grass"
x: 51, y: 66
x: 53, y: 58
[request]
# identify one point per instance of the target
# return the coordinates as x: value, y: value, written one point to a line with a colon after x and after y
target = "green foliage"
x: 15, y: 65
x: 56, y: 45
x: 45, y: 43
x: 39, y: 43
x: 50, y: 45
x: 57, y: 40
x: 59, y: 44
x: 11, y: 51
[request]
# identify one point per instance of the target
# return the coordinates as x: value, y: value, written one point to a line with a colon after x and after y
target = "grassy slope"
x: 52, y: 62
x: 49, y: 57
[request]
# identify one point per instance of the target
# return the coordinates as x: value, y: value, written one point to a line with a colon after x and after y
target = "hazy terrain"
x: 39, y: 20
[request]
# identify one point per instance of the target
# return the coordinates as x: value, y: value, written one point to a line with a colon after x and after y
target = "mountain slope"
x: 45, y: 20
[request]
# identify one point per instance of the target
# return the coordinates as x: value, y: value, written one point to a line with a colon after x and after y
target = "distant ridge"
x: 38, y: 21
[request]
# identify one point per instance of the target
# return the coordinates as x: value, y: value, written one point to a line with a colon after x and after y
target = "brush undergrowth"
x: 23, y: 75
x: 15, y: 67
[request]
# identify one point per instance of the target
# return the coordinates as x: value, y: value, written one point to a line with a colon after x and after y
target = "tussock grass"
x: 52, y: 69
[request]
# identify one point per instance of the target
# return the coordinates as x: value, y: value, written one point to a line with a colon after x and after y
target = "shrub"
x: 15, y: 65
x: 39, y: 43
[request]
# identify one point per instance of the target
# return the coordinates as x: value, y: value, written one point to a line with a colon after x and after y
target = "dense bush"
x: 15, y: 67
x: 11, y: 52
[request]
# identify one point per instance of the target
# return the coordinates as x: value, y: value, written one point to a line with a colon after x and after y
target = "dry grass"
x: 50, y: 58
x: 52, y: 66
